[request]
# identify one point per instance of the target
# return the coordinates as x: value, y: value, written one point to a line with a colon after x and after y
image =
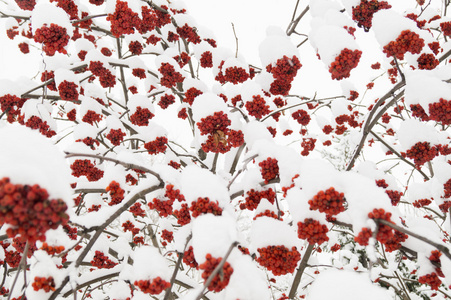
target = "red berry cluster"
x: 170, y: 75
x: 312, y: 231
x: 206, y: 60
x: 182, y: 114
x: 70, y: 231
x: 175, y: 165
x: 211, y: 124
x: 427, y: 61
x: 136, y: 210
x: 53, y: 38
x: 344, y: 63
x: 268, y: 213
x: 23, y: 47
x: 86, y: 168
x: 135, y: 47
x: 363, y: 13
x: 34, y: 122
x: 446, y: 28
x: 421, y: 153
x: 157, y: 146
x: 141, y: 116
x: 26, y: 4
x: 421, y: 202
x: 381, y: 183
x: 69, y: 7
x: 235, y: 75
x: 191, y: 94
x: 52, y: 250
x: 444, y: 207
x: 43, y: 283
x: 167, y: 235
x: 188, y: 258
x: 166, y: 100
x: 173, y: 194
x: 418, y: 112
x: 116, y: 193
x: 278, y: 259
x: 307, y: 146
x: 189, y: 34
x: 164, y: 207
x: 154, y: 287
x: 68, y: 90
x: 91, y: 116
x: 329, y: 201
x: 254, y: 197
x: 182, y: 215
x: 116, y: 136
x: 284, y: 71
x: 301, y: 116
x: 102, y: 261
x: 139, y: 72
x: 394, y: 196
x: 257, y: 107
x: 407, y: 41
x: 269, y: 169
x: 123, y: 20
x: 221, y: 280
x: 205, y: 206
x: 105, y: 51
x: 148, y: 21
x: 90, y: 142
x: 431, y: 279
x: 440, y: 111
x: 29, y: 211
x: 391, y: 238
x: 129, y: 226
x: 106, y: 78
x: 47, y: 75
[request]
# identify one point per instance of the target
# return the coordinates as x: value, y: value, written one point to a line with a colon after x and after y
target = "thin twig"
x: 236, y: 39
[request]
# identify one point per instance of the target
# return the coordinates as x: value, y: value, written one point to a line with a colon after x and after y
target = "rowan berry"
x: 43, y: 283
x: 344, y: 63
x: 116, y: 136
x: 157, y: 146
x: 152, y: 287
x: 431, y: 279
x: 141, y: 116
x: 278, y: 259
x: 166, y: 100
x: 53, y: 38
x: 68, y: 90
x: 313, y: 231
x: 221, y: 280
x: 182, y: 215
x: 269, y: 169
x: 204, y: 206
x: 102, y: 261
x: 363, y: 13
x: 206, y: 60
x: 188, y: 258
x: 329, y: 201
x: 257, y: 107
x: 136, y: 210
x: 26, y: 4
x: 123, y: 20
x: 191, y: 94
x: 170, y: 75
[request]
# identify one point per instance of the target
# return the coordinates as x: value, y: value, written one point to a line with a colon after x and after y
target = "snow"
x: 275, y: 46
x: 46, y: 13
x: 266, y: 231
x: 208, y: 228
x: 45, y: 165
x: 346, y: 285
x: 413, y: 131
x: 148, y: 264
x: 388, y: 25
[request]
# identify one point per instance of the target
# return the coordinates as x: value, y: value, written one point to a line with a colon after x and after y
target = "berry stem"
x: 22, y: 265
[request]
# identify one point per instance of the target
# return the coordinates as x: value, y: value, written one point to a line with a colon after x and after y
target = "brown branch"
x: 124, y: 164
x: 216, y: 270
x: 300, y: 271
x: 439, y: 247
x: 177, y: 266
x: 88, y: 283
x: 292, y: 26
x: 101, y: 228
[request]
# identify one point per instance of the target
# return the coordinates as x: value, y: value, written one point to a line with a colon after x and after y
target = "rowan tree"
x: 147, y: 160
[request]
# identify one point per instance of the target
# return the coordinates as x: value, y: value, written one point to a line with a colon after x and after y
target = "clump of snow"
x: 330, y: 40
x: 148, y: 264
x: 45, y: 13
x: 346, y: 285
x: 424, y: 89
x: 275, y: 46
x: 208, y: 228
x: 44, y: 165
x: 412, y: 131
x: 271, y: 232
x: 388, y: 24
x: 207, y: 104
